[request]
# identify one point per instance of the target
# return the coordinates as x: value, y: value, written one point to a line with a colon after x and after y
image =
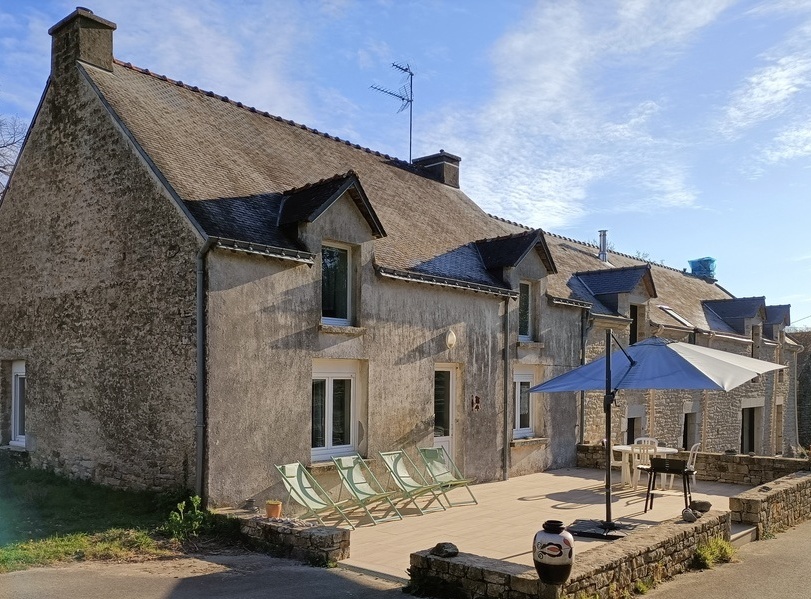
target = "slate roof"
x: 778, y: 314
x: 246, y: 175
x: 615, y: 280
x: 677, y: 290
x: 229, y: 162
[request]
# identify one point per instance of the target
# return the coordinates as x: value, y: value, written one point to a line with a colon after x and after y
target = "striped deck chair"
x: 400, y: 467
x: 364, y: 488
x: 442, y: 470
x: 306, y: 491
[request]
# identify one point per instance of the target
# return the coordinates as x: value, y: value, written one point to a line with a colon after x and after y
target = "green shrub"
x: 183, y: 524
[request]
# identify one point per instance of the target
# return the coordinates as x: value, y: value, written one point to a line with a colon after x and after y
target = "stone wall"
x: 804, y: 387
x: 652, y: 555
x: 720, y: 467
x: 318, y: 545
x: 101, y: 313
x: 773, y: 507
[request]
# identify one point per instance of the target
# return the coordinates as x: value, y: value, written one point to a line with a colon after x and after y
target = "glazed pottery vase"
x: 553, y: 552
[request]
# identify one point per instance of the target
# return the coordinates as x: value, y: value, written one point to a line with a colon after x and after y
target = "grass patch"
x: 714, y: 551
x: 45, y: 518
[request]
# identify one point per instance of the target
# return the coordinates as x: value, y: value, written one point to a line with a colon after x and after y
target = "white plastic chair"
x: 645, y: 441
x: 640, y: 456
x: 619, y: 463
x: 691, y: 465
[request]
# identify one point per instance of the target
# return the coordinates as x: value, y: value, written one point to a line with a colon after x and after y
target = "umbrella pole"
x: 607, y: 401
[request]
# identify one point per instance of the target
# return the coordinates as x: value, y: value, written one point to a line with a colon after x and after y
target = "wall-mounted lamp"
x: 450, y: 339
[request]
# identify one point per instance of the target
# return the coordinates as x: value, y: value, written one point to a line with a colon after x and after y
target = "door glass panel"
x: 442, y: 403
x: 341, y: 411
x: 319, y: 412
x: 523, y: 403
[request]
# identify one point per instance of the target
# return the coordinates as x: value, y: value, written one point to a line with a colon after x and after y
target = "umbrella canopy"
x: 654, y: 363
x: 657, y: 363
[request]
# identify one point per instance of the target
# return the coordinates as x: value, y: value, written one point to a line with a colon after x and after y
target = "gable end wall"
x: 97, y: 294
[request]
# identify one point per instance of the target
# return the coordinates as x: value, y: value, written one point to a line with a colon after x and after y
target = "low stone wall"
x: 651, y: 554
x: 318, y: 545
x: 720, y: 467
x: 775, y: 506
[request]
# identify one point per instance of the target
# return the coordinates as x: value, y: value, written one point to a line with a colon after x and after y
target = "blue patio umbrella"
x: 655, y: 363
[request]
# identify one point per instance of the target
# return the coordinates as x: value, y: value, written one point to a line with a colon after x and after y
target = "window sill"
x: 317, y: 468
x: 10, y: 447
x: 530, y: 442
x: 333, y: 329
x: 530, y: 344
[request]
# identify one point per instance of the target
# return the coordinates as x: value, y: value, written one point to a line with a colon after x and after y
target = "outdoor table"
x: 625, y: 450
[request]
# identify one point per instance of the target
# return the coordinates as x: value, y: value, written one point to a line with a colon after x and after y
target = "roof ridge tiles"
x: 510, y: 222
x: 586, y: 243
x: 212, y: 94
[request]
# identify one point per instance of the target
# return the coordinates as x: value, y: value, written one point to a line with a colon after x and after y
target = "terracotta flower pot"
x: 273, y: 508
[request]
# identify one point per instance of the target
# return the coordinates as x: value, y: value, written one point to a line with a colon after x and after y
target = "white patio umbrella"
x: 654, y: 363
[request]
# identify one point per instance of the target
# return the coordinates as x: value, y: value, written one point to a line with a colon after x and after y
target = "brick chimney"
x: 81, y: 36
x: 443, y: 167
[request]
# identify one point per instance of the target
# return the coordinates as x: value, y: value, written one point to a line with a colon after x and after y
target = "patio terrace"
x: 509, y: 514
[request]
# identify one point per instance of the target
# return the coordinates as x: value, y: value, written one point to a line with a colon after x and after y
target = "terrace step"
x: 741, y: 534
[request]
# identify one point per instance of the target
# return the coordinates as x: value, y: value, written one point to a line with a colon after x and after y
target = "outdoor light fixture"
x: 450, y: 339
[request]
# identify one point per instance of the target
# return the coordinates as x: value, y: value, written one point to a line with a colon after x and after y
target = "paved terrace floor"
x: 509, y: 513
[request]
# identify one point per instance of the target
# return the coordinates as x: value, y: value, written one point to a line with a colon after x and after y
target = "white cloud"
x: 547, y: 135
x: 767, y: 93
x: 789, y: 144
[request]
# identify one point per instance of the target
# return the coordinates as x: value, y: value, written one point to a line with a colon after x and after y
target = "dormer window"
x: 336, y: 285
x: 525, y: 311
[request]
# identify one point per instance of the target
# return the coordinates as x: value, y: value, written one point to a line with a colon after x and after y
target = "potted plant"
x: 273, y: 508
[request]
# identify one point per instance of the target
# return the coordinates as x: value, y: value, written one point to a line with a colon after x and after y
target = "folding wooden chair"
x: 401, y: 467
x: 362, y: 485
x: 442, y: 470
x: 305, y: 490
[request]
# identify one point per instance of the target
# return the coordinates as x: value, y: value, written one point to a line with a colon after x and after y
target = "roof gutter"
x: 200, y: 318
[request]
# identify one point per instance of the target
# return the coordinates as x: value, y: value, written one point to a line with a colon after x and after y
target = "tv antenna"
x: 406, y: 95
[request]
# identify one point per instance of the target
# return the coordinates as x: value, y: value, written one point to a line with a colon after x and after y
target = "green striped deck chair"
x: 364, y: 488
x: 306, y: 491
x: 443, y: 471
x: 401, y: 467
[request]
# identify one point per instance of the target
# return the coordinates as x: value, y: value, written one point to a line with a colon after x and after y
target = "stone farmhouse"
x: 193, y: 290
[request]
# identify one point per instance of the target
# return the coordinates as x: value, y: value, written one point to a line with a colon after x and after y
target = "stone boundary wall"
x: 736, y: 469
x: 652, y: 554
x: 775, y: 506
x: 317, y: 545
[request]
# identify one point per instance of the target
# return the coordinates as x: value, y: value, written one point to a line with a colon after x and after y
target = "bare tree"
x: 12, y: 133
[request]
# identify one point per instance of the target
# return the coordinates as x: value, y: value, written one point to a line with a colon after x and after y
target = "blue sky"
x: 681, y: 127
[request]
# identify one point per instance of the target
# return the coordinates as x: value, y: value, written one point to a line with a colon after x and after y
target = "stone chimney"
x: 81, y: 36
x: 443, y: 167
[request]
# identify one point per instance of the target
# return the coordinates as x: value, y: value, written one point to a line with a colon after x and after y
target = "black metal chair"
x: 667, y: 466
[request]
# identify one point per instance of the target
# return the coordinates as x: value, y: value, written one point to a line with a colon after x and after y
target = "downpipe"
x: 200, y: 317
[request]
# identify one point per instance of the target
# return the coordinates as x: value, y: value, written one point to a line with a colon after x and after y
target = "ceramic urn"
x: 553, y: 552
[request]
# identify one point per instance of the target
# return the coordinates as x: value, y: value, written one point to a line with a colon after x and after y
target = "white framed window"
x: 334, y: 392
x: 525, y: 309
x: 18, y: 403
x: 523, y: 413
x: 336, y: 284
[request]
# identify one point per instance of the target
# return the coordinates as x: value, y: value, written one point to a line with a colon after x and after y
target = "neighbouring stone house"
x: 193, y: 290
x: 803, y: 337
